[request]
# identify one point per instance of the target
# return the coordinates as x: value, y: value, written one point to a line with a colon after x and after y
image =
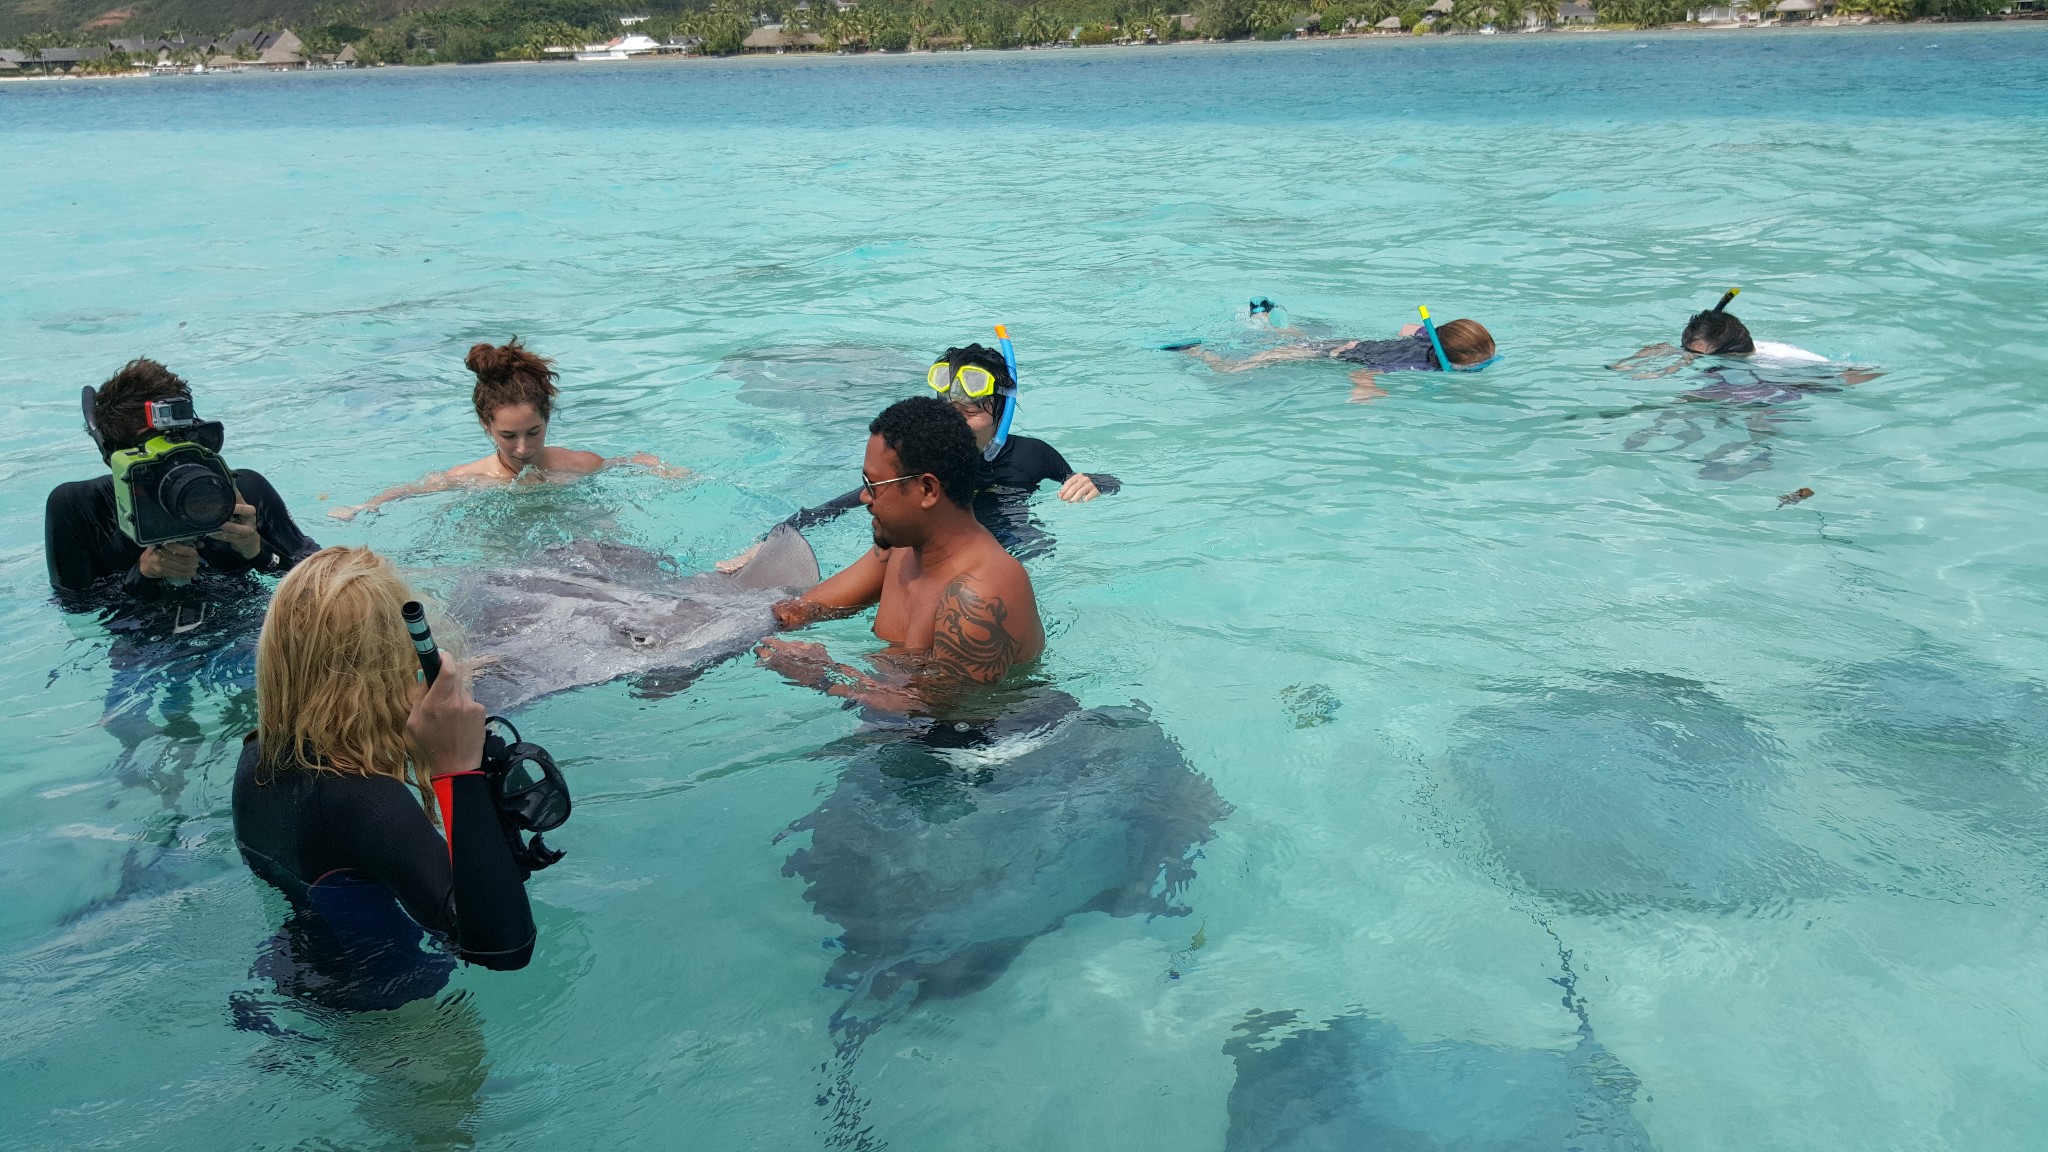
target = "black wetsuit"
x: 92, y: 563
x: 1401, y: 354
x: 1000, y: 488
x: 367, y: 873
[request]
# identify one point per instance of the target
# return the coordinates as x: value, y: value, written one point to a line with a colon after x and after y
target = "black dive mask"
x: 527, y: 789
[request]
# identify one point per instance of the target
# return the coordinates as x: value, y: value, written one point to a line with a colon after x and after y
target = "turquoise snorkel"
x: 1009, y: 395
x: 1443, y: 361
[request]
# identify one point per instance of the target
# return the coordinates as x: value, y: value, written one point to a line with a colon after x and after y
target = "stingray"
x: 593, y: 612
x: 826, y: 383
x: 1356, y: 1084
x: 1630, y: 790
x: 1949, y: 736
x: 942, y: 856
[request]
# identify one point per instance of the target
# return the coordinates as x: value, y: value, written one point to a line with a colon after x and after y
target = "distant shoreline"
x: 679, y: 60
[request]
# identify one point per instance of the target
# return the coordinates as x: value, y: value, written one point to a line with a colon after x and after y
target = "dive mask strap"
x: 88, y: 401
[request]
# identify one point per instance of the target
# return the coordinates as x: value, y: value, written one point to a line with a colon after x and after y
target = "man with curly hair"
x: 955, y: 608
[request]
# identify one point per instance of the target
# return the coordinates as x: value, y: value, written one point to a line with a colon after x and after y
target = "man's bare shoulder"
x: 993, y: 571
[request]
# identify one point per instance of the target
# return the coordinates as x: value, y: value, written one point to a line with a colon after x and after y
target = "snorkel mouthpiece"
x: 1731, y: 294
x: 1009, y: 394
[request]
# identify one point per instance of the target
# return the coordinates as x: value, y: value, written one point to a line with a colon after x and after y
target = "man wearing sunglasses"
x: 955, y: 608
x: 976, y: 382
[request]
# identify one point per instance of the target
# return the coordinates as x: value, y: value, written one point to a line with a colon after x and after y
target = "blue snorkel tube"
x: 1443, y: 361
x: 1009, y: 394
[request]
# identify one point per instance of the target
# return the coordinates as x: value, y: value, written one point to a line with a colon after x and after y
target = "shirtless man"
x: 955, y: 608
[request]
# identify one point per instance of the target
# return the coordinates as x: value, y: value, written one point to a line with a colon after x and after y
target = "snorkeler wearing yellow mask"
x: 981, y: 384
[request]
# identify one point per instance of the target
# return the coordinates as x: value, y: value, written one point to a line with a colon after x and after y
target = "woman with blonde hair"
x: 514, y: 399
x: 332, y: 794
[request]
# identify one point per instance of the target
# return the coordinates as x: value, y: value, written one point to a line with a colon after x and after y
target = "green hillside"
x: 70, y: 18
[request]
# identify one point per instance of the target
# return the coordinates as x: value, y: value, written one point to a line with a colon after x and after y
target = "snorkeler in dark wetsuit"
x: 1464, y: 343
x: 1739, y: 378
x: 1005, y: 476
x: 330, y: 800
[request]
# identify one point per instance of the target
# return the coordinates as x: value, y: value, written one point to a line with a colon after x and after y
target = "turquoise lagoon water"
x: 1543, y: 725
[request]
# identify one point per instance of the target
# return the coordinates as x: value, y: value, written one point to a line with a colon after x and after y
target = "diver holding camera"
x: 170, y: 525
x: 333, y: 792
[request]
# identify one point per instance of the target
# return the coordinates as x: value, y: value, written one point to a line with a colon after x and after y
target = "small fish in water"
x: 1309, y: 705
x: 1794, y: 497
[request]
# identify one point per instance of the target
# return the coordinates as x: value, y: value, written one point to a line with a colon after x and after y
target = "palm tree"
x: 1033, y: 27
x: 1468, y: 15
x: 1274, y: 16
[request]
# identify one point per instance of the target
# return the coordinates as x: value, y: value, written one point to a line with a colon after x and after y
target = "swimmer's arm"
x: 436, y: 482
x: 654, y: 464
x: 808, y: 665
x: 973, y: 642
x: 858, y: 586
x: 1079, y: 488
x: 1651, y: 352
x: 1256, y: 359
x: 1363, y: 388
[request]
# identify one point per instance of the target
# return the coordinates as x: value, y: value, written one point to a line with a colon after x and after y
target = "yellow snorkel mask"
x: 969, y: 380
x: 959, y: 379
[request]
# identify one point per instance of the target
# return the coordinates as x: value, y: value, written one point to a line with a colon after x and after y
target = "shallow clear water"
x: 1500, y: 702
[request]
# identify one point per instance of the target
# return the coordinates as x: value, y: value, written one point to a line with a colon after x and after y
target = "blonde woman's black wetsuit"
x: 368, y: 875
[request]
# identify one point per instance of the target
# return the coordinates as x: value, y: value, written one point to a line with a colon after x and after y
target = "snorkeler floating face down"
x: 1716, y: 332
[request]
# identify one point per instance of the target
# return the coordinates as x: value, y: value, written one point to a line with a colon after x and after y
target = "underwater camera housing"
x: 174, y: 487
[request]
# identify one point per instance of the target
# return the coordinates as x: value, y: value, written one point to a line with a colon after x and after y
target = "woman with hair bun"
x: 514, y: 398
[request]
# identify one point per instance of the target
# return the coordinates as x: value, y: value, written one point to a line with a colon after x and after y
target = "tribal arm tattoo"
x: 970, y: 640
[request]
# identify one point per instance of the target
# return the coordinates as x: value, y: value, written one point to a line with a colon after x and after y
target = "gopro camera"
x: 175, y: 486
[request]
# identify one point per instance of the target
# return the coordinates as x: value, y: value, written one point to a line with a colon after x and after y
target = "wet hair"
x: 981, y: 357
x: 510, y: 373
x: 1465, y: 342
x: 118, y: 410
x: 1715, y: 333
x: 334, y: 671
x: 928, y: 436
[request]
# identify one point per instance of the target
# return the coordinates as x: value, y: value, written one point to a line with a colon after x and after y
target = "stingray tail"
x: 863, y: 1014
x: 867, y: 1010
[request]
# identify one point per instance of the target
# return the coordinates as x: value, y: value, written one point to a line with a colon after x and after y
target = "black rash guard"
x: 1019, y: 468
x: 1401, y: 354
x: 92, y: 563
x: 358, y: 856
